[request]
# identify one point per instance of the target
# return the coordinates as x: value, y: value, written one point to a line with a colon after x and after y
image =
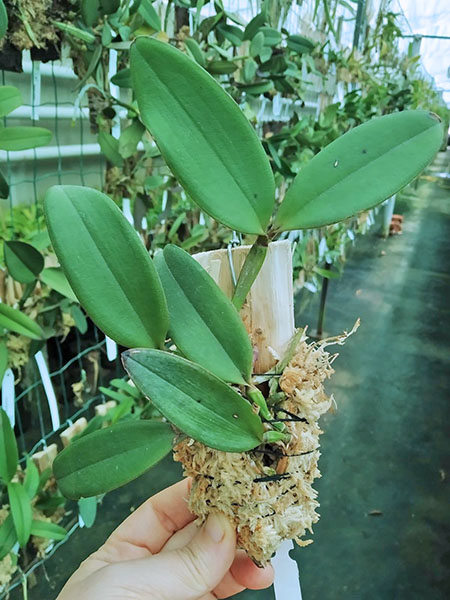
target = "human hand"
x: 158, y: 553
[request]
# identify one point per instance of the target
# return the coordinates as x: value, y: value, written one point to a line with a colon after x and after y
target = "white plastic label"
x: 111, y: 349
x: 287, y: 579
x: 49, y: 391
x: 9, y: 396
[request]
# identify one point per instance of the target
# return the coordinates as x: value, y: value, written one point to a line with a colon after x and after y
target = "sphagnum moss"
x: 268, y: 492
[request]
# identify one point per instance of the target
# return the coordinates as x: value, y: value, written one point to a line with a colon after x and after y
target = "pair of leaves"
x: 23, y: 261
x: 14, y: 320
x: 203, y: 135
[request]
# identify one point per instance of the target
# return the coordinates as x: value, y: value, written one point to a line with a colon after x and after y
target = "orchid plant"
x: 189, y: 351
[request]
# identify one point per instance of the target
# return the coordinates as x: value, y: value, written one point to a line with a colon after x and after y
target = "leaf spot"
x: 335, y: 164
x: 364, y: 151
x: 235, y: 416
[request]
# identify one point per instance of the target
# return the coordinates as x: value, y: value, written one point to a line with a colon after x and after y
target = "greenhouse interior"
x: 224, y: 299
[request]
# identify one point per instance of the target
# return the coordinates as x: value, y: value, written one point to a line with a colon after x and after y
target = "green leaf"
x: 80, y: 320
x: 13, y: 320
x: 107, y: 265
x: 23, y: 261
x: 22, y: 138
x: 360, y: 169
x: 300, y: 44
x: 193, y: 47
x: 130, y: 137
x: 48, y: 530
x: 149, y: 14
x: 122, y: 78
x: 3, y: 21
x: 207, y: 158
x: 110, y: 147
x: 194, y: 400
x: 258, y: 88
x: 152, y: 182
x: 9, y: 456
x: 272, y: 37
x: 204, y: 324
x: 4, y: 187
x: 10, y: 98
x: 8, y: 537
x: 54, y: 277
x: 250, y: 67
x: 257, y: 44
x: 21, y: 512
x: 221, y: 67
x: 254, y: 25
x: 3, y: 360
x: 90, y: 11
x: 121, y: 384
x: 233, y: 34
x: 106, y: 459
x: 31, y: 481
x: 327, y: 273
x: 88, y: 510
x: 112, y: 394
x: 110, y: 6
x: 80, y: 34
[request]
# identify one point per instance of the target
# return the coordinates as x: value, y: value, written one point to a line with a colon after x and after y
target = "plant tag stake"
x: 126, y: 209
x: 287, y: 579
x: 111, y: 349
x: 9, y: 396
x: 49, y: 391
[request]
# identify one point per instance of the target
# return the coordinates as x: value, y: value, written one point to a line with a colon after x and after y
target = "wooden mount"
x: 268, y: 312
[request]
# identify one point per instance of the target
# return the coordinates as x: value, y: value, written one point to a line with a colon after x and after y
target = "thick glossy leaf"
x: 233, y: 34
x: 10, y: 99
x: 23, y: 261
x: 107, y: 266
x: 300, y: 44
x: 31, y: 481
x: 204, y: 136
x: 9, y: 456
x: 362, y: 168
x: 203, y: 323
x: 108, y: 458
x: 122, y: 78
x: 3, y: 360
x: 3, y: 21
x: 21, y: 512
x: 13, y: 320
x: 54, y: 277
x: 149, y: 14
x: 88, y: 510
x: 4, y: 187
x: 254, y: 25
x: 272, y: 36
x: 90, y: 11
x: 195, y: 51
x: 257, y: 44
x: 22, y: 138
x: 8, y: 537
x: 48, y: 530
x: 110, y: 147
x: 81, y: 34
x: 129, y: 138
x: 195, y: 400
x: 221, y: 67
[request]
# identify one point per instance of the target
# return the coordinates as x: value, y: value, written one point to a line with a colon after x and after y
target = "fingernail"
x: 215, y: 528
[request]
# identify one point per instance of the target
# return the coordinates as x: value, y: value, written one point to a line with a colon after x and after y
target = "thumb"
x: 191, y: 572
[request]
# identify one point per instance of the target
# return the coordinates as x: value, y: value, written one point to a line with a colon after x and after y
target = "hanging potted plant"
x: 241, y: 410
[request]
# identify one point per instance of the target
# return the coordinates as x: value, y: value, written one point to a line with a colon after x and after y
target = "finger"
x: 242, y: 574
x: 150, y: 526
x: 188, y: 573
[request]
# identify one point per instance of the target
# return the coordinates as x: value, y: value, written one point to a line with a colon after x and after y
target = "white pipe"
x: 51, y: 152
x: 58, y: 71
x: 49, y: 112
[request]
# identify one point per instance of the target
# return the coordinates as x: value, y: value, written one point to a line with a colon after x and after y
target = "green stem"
x: 249, y: 272
x: 256, y: 396
x: 276, y: 436
x: 27, y: 293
